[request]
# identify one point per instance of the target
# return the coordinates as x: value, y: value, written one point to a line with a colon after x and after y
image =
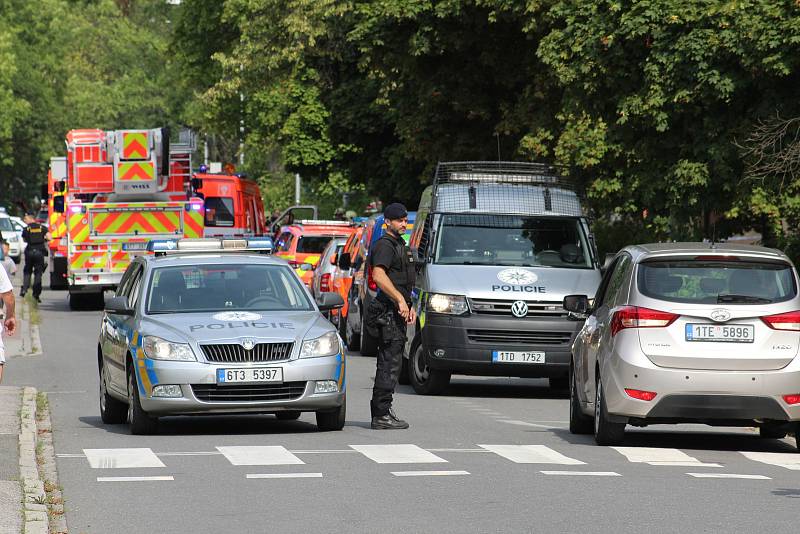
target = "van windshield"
x: 512, y: 240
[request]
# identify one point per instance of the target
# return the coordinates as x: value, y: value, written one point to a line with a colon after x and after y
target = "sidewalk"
x: 22, y: 497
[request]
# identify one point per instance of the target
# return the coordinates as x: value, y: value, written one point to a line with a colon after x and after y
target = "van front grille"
x: 519, y: 337
x: 503, y: 307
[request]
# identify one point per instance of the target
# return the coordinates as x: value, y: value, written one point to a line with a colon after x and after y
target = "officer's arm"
x: 386, y: 285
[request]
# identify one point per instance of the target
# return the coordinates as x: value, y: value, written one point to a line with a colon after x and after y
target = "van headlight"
x: 325, y: 345
x: 448, y: 304
x: 156, y: 348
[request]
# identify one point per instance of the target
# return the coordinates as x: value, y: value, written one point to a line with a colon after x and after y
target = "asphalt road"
x: 491, y: 455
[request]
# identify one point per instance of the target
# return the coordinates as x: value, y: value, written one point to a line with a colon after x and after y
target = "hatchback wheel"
x: 605, y: 431
x: 579, y: 423
x: 353, y: 340
x: 141, y: 423
x: 772, y: 432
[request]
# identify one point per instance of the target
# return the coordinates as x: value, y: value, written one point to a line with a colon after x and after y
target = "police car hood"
x: 512, y: 283
x: 234, y: 325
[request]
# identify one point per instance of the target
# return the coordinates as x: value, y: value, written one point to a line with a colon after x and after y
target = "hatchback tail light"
x: 783, y: 321
x: 641, y: 395
x: 792, y: 399
x: 325, y: 283
x: 636, y: 317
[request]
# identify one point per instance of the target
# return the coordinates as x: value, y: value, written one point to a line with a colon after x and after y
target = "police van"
x: 498, y: 245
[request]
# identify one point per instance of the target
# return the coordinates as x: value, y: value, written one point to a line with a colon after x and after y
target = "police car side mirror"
x: 119, y: 306
x: 343, y: 261
x: 58, y: 204
x: 329, y: 301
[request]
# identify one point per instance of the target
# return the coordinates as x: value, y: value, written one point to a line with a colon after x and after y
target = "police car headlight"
x: 449, y: 304
x: 161, y: 349
x: 325, y: 345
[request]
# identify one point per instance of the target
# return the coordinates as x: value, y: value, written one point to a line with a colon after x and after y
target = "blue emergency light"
x: 160, y: 247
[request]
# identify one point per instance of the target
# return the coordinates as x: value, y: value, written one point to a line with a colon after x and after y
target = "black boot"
x: 387, y: 422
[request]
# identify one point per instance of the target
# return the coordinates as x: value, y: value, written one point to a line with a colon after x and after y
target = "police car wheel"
x: 288, y: 416
x: 112, y: 411
x: 140, y: 422
x: 353, y: 340
x: 332, y: 420
x: 424, y: 380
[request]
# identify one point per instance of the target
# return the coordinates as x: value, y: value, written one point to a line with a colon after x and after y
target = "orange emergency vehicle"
x: 233, y: 205
x: 57, y: 223
x: 119, y: 194
x: 303, y: 243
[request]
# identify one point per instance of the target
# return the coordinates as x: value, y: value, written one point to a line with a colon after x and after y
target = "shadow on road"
x: 207, y: 425
x: 692, y: 439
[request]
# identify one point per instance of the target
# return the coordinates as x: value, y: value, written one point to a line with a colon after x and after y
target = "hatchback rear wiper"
x: 743, y: 298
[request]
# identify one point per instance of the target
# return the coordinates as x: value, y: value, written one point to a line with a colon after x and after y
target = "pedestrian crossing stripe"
x: 661, y: 457
x: 397, y: 454
x: 787, y: 460
x: 531, y: 454
x: 259, y: 455
x: 122, y: 458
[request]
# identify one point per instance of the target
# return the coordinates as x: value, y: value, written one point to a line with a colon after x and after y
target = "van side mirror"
x: 307, y: 267
x: 343, y: 261
x: 197, y: 184
x: 578, y: 304
x: 58, y: 204
x: 608, y: 261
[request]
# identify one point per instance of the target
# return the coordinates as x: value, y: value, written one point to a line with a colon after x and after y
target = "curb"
x: 34, y: 497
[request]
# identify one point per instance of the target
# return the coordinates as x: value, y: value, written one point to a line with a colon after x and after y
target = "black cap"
x: 395, y: 211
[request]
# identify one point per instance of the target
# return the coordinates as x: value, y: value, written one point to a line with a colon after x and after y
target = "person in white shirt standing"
x: 10, y: 321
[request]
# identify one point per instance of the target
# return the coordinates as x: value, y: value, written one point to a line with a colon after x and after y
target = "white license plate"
x: 504, y: 356
x: 729, y: 333
x: 249, y: 375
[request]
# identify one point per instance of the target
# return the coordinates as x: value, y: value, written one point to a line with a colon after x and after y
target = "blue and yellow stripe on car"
x: 143, y: 366
x: 340, y: 372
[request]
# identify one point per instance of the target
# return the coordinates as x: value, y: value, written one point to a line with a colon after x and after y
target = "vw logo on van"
x: 248, y: 343
x: 519, y: 308
x: 517, y: 277
x: 720, y: 315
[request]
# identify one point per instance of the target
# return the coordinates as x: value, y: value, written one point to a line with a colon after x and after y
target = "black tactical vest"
x: 402, y: 272
x: 34, y: 235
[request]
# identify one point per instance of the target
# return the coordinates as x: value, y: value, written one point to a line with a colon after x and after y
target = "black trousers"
x: 391, y: 344
x: 34, y: 264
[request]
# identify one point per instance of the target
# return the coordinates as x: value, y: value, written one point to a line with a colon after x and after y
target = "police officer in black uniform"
x: 394, y: 272
x: 36, y: 236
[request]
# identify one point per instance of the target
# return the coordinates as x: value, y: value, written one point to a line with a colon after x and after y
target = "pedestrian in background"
x: 36, y: 236
x: 5, y: 259
x: 9, y: 318
x: 388, y: 314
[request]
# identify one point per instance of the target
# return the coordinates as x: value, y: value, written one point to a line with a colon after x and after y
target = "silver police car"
x: 688, y: 333
x: 211, y: 326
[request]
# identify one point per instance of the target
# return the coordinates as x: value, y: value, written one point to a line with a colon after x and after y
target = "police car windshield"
x: 516, y: 240
x: 211, y: 288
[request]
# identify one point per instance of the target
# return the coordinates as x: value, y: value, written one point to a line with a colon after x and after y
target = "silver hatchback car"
x: 688, y: 333
x: 199, y: 329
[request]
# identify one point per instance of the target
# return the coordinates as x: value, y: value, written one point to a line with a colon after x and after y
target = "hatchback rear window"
x: 717, y: 282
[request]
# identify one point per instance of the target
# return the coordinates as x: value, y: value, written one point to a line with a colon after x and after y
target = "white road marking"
x: 660, y: 457
x: 398, y: 454
x: 524, y: 423
x: 582, y: 473
x: 531, y: 454
x: 788, y: 460
x: 428, y: 473
x: 133, y: 479
x: 322, y: 451
x: 121, y: 458
x: 189, y: 453
x: 259, y: 455
x: 285, y: 475
x: 728, y: 475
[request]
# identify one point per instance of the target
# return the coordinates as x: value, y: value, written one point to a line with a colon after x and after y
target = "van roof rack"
x: 494, y: 186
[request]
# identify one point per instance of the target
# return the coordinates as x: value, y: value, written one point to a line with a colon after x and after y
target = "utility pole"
x: 297, y: 188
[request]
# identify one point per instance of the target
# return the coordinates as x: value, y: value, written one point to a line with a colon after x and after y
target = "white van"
x: 10, y: 234
x: 498, y: 245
